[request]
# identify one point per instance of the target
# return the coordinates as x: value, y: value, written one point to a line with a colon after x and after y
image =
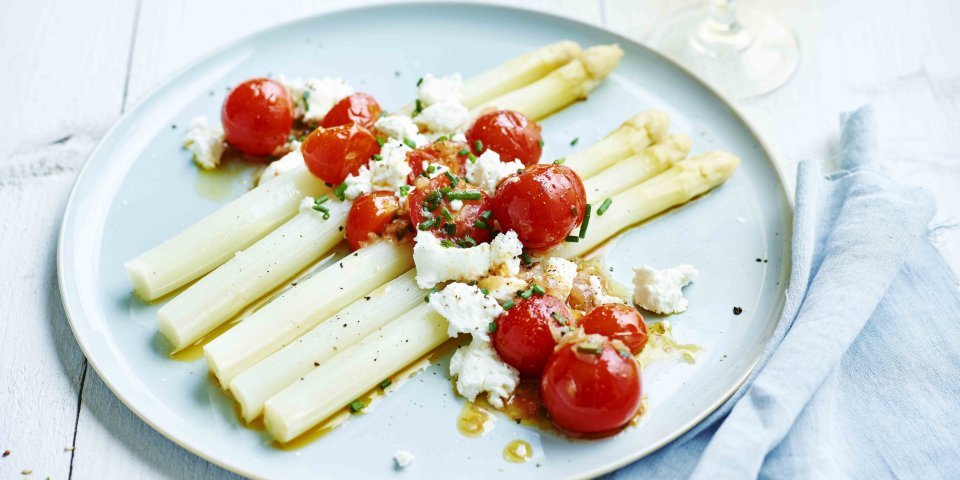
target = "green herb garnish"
x: 586, y: 222
x: 604, y: 206
x: 357, y: 405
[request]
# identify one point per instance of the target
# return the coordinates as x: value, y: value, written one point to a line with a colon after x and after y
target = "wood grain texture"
x: 84, y: 62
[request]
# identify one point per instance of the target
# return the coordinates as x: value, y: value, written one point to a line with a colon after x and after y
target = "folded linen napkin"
x: 862, y: 376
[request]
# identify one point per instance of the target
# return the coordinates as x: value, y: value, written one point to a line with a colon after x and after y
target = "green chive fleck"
x: 572, y: 239
x: 384, y: 384
x: 586, y: 222
x: 446, y: 214
x: 427, y: 224
x: 559, y: 318
x: 538, y: 289
x: 478, y: 146
x: 340, y: 190
x: 467, y: 241
x: 357, y: 405
x: 377, y: 157
x: 480, y: 224
x: 486, y: 215
x: 450, y: 228
x: 540, y: 142
x: 485, y: 291
x: 472, y: 158
x: 464, y: 195
x: 404, y: 189
x: 526, y: 294
x: 560, y: 161
x: 420, y: 81
x: 590, y: 347
x: 409, y: 143
x: 463, y: 152
x: 492, y: 327
x: 508, y: 305
x: 418, y: 108
x: 525, y: 258
x: 381, y: 141
x: 447, y: 243
x: 426, y: 298
x: 604, y: 206
x: 433, y: 196
x: 574, y: 141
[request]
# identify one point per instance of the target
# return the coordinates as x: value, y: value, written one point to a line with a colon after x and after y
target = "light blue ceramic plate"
x: 138, y: 188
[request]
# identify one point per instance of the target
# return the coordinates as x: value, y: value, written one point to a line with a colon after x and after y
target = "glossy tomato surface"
x: 542, y: 204
x: 257, y: 116
x: 617, y: 321
x: 448, y: 153
x: 431, y: 209
x: 591, y: 393
x: 524, y: 337
x: 358, y: 108
x: 510, y: 134
x: 333, y: 153
x: 369, y: 217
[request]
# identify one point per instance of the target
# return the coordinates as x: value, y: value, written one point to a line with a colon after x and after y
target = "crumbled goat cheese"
x: 434, y: 172
x: 556, y: 276
x: 502, y: 289
x: 400, y: 127
x: 434, y: 90
x: 467, y: 310
x: 456, y: 205
x: 286, y: 163
x: 387, y: 174
x: 443, y: 118
x: 488, y: 171
x: 403, y: 458
x: 307, y: 203
x: 205, y: 143
x: 660, y: 290
x: 599, y: 296
x: 436, y: 263
x: 479, y: 369
x: 313, y: 98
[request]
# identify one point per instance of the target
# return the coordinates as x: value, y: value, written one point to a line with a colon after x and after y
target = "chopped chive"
x: 560, y: 161
x: 559, y: 318
x: 443, y: 138
x: 447, y: 243
x: 320, y: 208
x: 426, y: 298
x: 357, y: 405
x: 321, y: 200
x: 409, y: 143
x: 463, y: 152
x: 486, y: 215
x: 464, y: 195
x: 526, y: 294
x: 525, y: 258
x: 574, y: 141
x: 604, y: 206
x: 417, y: 109
x: 540, y: 142
x: 572, y: 239
x: 420, y: 81
x: 427, y: 224
x: 453, y: 179
x: 404, y: 189
x: 433, y: 196
x: 478, y: 146
x: 480, y: 224
x: 431, y: 169
x: 508, y: 305
x: 492, y: 327
x: 586, y: 222
x: 377, y: 157
x: 590, y: 347
x: 472, y: 158
x: 450, y: 228
x: 340, y: 191
x: 485, y: 291
x: 446, y: 214
x: 381, y: 141
x: 384, y: 384
x: 537, y: 289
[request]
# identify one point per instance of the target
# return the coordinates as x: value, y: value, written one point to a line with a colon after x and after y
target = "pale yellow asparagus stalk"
x: 252, y: 387
x: 301, y: 308
x: 517, y: 72
x: 630, y: 138
x: 215, y: 239
x: 250, y: 274
x: 637, y: 168
x: 349, y: 374
x: 563, y: 86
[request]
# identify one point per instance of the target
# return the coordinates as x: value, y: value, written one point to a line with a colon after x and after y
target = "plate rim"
x: 187, y: 444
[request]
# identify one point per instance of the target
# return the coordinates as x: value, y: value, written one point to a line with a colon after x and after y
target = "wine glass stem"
x: 721, y: 32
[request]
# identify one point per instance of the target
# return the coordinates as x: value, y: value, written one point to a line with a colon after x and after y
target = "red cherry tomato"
x: 430, y: 210
x: 524, y: 336
x: 357, y: 108
x: 591, y: 388
x: 333, y: 153
x: 617, y: 321
x: 542, y: 204
x: 257, y: 116
x: 509, y: 133
x: 369, y: 216
x: 446, y: 153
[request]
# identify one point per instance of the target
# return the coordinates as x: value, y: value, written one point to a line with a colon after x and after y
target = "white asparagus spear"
x: 637, y: 168
x: 562, y: 86
x: 347, y: 375
x: 630, y: 138
x: 301, y: 308
x: 255, y: 385
x: 252, y: 387
x: 214, y: 240
x: 250, y: 274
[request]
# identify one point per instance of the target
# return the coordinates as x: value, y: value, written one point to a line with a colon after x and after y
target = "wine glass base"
x: 757, y: 59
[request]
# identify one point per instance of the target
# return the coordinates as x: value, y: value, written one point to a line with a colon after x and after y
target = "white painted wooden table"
x: 69, y: 69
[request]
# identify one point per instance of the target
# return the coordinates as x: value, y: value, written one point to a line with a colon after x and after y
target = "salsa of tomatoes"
x: 451, y: 209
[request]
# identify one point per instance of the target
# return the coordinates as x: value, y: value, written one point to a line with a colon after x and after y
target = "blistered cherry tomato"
x: 431, y: 208
x: 333, y: 153
x: 446, y: 153
x: 257, y: 116
x: 510, y: 134
x: 524, y: 336
x: 356, y: 108
x: 369, y: 216
x: 591, y: 388
x: 542, y: 204
x: 617, y: 321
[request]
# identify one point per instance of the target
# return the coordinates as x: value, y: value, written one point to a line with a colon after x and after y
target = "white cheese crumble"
x: 403, y: 458
x: 488, y: 171
x: 205, y: 143
x: 436, y: 263
x: 436, y: 171
x: 400, y: 127
x: 556, y: 276
x: 387, y: 174
x: 307, y: 203
x: 456, y: 205
x: 443, y: 118
x: 467, y: 309
x: 660, y: 290
x: 286, y: 163
x: 479, y: 369
x: 599, y: 296
x: 434, y: 90
x: 502, y: 289
x: 313, y: 98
